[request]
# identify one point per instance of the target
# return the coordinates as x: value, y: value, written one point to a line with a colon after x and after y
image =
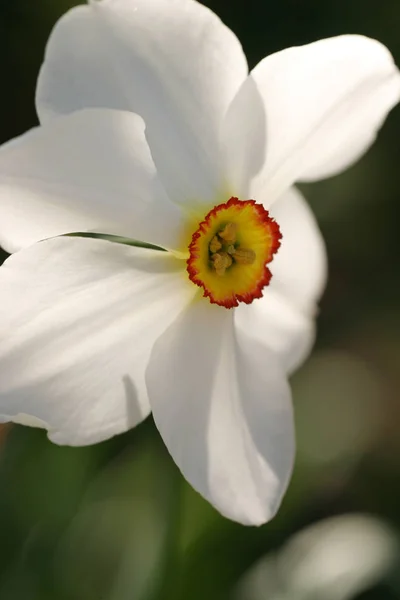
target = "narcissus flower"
x: 152, y: 129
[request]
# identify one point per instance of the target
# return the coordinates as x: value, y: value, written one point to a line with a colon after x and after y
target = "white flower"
x: 336, y: 558
x: 149, y: 121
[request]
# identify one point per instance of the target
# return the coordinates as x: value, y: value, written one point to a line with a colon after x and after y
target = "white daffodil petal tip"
x: 77, y: 329
x: 223, y: 407
x: 24, y: 419
x: 324, y: 103
x: 91, y: 170
x: 171, y: 61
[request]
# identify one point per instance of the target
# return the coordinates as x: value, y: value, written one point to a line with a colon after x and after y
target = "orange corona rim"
x: 230, y: 251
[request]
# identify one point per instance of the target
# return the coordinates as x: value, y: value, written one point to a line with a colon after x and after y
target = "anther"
x: 228, y: 233
x: 244, y: 256
x: 221, y: 262
x: 215, y: 245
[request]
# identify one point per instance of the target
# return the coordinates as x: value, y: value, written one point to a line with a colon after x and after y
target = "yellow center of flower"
x: 230, y: 250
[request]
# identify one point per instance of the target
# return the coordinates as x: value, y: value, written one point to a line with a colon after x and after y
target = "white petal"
x: 223, y: 408
x: 171, y: 61
x: 78, y: 318
x: 324, y: 104
x: 274, y: 322
x: 91, y: 170
x: 243, y: 139
x: 299, y: 268
x: 284, y: 317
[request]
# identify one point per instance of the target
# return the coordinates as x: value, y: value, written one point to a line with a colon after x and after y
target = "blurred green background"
x: 117, y: 521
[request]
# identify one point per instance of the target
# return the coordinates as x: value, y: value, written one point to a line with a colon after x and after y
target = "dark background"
x: 117, y: 521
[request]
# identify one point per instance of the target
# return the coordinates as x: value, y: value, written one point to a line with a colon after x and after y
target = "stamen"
x: 228, y: 233
x: 215, y: 245
x: 230, y: 252
x: 243, y: 256
x: 221, y: 262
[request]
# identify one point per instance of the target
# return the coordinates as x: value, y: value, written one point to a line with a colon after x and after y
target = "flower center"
x: 224, y: 250
x: 230, y: 250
